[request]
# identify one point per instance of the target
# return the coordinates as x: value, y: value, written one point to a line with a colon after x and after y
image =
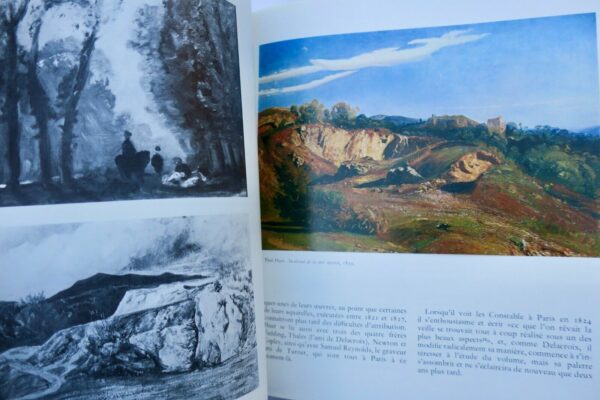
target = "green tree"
x: 311, y: 113
x: 294, y: 110
x: 325, y: 206
x: 342, y: 114
x: 362, y: 121
x: 292, y: 201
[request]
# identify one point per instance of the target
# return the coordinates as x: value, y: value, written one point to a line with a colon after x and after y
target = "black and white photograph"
x: 131, y: 309
x: 104, y: 100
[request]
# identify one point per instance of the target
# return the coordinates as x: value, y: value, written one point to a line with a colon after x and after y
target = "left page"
x: 129, y: 234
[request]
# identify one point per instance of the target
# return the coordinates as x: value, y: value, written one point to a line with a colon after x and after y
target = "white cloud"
x: 51, y: 258
x: 306, y: 86
x: 386, y: 57
x: 290, y: 73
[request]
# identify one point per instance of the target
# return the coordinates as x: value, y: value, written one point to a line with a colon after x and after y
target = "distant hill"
x: 396, y: 120
x: 594, y: 130
x: 450, y: 122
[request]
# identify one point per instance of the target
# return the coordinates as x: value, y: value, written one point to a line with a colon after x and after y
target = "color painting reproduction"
x: 474, y: 139
x: 119, y: 100
x: 135, y: 309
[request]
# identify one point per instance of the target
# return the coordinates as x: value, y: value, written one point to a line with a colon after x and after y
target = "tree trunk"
x: 233, y: 155
x: 66, y: 143
x: 40, y: 106
x: 216, y: 156
x: 229, y: 162
x: 12, y: 105
x: 238, y: 154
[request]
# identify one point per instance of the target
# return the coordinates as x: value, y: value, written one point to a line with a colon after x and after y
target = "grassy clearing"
x: 464, y: 233
x: 326, y: 241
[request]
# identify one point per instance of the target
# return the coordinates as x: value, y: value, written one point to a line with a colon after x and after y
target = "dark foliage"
x: 292, y: 200
x: 195, y: 78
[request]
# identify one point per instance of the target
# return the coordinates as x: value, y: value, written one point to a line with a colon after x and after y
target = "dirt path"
x: 55, y: 381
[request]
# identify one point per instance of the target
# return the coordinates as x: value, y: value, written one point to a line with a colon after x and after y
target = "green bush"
x: 551, y: 163
x: 292, y: 200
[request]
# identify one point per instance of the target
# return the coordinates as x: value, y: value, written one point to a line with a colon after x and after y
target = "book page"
x: 430, y: 198
x: 129, y: 226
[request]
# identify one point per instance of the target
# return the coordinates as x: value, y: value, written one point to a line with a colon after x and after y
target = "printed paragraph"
x: 318, y: 331
x: 450, y: 342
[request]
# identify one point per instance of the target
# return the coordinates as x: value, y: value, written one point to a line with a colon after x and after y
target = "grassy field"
x: 507, y: 213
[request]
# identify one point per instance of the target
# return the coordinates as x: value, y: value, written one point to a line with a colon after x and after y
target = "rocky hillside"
x: 169, y: 328
x: 434, y: 186
x: 329, y: 144
x: 338, y: 145
x: 32, y: 322
x: 471, y: 166
x: 322, y: 150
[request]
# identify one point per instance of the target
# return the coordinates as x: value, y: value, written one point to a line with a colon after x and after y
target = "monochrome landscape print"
x: 137, y: 309
x: 114, y: 100
x: 473, y: 139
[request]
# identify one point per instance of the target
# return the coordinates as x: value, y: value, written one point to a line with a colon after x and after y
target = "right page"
x: 430, y: 184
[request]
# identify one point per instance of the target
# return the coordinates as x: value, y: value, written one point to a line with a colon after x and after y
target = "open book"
x: 323, y: 200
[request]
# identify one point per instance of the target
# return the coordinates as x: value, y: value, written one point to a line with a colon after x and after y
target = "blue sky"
x: 535, y: 71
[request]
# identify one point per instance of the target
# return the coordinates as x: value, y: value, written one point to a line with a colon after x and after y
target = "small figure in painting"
x: 183, y: 176
x: 183, y: 168
x: 127, y: 148
x: 132, y: 163
x: 443, y: 227
x: 157, y: 161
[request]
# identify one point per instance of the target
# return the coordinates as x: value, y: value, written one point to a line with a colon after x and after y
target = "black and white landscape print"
x: 113, y: 100
x: 140, y: 309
